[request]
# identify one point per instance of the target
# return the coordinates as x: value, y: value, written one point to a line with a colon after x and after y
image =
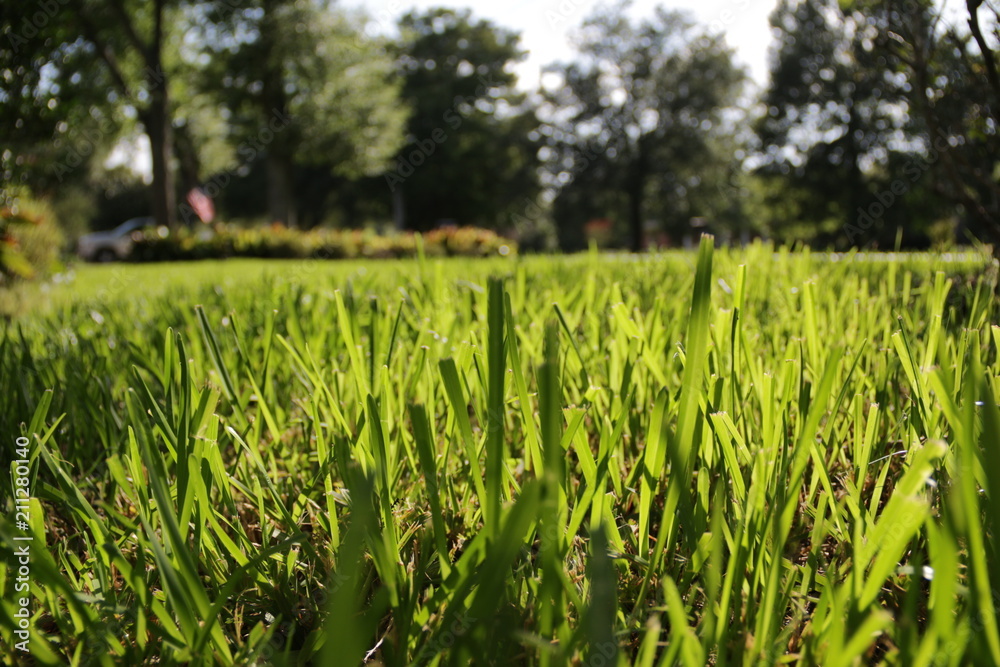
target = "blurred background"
x: 557, y: 124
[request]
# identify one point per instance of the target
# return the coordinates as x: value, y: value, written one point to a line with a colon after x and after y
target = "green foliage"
x: 30, y: 240
x: 829, y: 112
x: 74, y: 207
x: 953, y: 87
x: 641, y: 116
x: 868, y: 130
x: 740, y: 458
x: 56, y: 113
x: 13, y: 263
x: 302, y: 85
x: 30, y: 247
x: 469, y: 155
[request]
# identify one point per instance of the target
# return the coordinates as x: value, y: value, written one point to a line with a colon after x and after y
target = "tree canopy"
x: 640, y: 109
x: 301, y: 85
x: 876, y: 117
x: 71, y: 70
x: 469, y: 156
x: 867, y: 127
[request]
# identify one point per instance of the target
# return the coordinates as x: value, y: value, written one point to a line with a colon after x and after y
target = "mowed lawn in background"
x: 713, y: 457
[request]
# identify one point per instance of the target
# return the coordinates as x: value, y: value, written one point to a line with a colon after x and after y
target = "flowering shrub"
x: 30, y: 241
x: 467, y: 242
x: 277, y: 241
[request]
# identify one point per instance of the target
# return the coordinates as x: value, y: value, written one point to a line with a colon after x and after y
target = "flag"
x: 202, y: 204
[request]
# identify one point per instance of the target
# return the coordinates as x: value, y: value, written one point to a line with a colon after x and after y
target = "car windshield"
x: 133, y: 224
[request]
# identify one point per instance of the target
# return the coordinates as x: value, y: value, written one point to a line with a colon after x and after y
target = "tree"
x: 643, y: 104
x: 52, y: 87
x: 828, y: 113
x: 469, y: 157
x: 955, y: 92
x: 301, y: 85
x: 844, y: 137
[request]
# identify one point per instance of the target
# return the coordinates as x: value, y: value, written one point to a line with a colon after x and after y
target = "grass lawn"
x: 714, y: 457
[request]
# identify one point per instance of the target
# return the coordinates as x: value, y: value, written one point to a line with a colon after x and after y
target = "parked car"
x: 112, y: 245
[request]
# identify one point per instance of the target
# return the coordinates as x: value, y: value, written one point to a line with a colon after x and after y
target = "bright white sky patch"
x: 545, y: 25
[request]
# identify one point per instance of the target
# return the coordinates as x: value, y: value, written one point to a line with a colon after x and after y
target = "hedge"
x: 277, y: 241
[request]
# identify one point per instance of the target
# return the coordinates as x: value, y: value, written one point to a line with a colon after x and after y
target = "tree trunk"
x: 156, y: 116
x: 858, y: 196
x: 280, y: 195
x: 636, y: 189
x: 635, y: 217
x: 399, y: 209
x: 188, y: 163
x: 280, y: 199
x: 158, y: 128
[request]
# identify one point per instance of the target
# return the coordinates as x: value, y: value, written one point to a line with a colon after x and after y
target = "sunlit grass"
x: 728, y: 458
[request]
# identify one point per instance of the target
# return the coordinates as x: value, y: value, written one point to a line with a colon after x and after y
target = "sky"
x: 545, y: 25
